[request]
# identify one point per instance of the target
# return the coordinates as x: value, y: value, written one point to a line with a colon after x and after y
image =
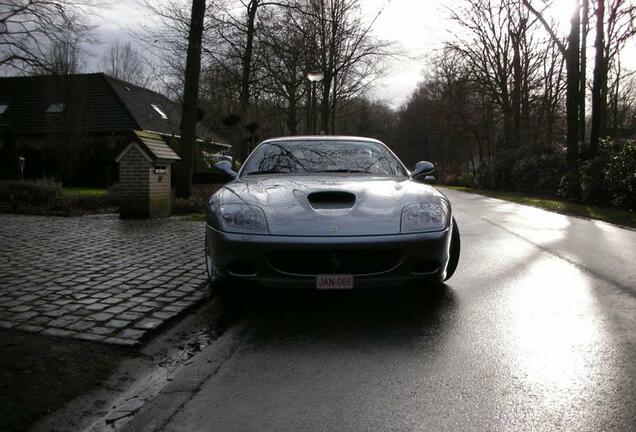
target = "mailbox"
x: 144, y: 177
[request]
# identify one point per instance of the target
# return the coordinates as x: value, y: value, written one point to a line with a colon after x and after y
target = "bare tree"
x: 486, y: 46
x: 165, y: 42
x: 345, y: 51
x: 599, y: 85
x: 31, y: 30
x: 585, y: 28
x: 615, y: 25
x: 65, y: 56
x: 190, y: 97
x: 284, y: 53
x: 571, y: 51
x: 124, y: 62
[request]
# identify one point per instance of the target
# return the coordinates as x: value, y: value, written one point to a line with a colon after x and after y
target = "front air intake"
x: 331, y: 200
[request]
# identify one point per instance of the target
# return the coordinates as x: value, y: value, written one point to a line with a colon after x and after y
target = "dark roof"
x: 156, y: 147
x: 93, y: 103
x: 153, y: 146
x: 90, y: 104
x: 139, y: 102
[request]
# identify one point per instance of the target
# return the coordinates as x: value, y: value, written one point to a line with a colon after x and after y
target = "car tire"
x: 215, y: 286
x: 455, y: 248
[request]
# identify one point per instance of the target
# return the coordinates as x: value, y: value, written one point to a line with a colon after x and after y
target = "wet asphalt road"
x: 536, y: 331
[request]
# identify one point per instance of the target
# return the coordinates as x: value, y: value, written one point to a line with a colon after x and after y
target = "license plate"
x: 335, y: 282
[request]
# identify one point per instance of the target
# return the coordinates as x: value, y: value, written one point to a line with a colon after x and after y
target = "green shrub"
x: 497, y: 172
x: 30, y: 193
x: 186, y: 206
x: 524, y: 174
x: 594, y: 187
x: 538, y: 172
x: 86, y: 203
x: 466, y: 180
x: 484, y: 178
x: 523, y: 170
x: 620, y: 174
x: 608, y: 178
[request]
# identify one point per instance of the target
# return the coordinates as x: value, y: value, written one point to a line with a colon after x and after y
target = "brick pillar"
x: 159, y: 191
x: 134, y: 187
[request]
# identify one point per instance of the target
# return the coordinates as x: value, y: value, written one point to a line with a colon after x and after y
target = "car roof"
x: 322, y: 138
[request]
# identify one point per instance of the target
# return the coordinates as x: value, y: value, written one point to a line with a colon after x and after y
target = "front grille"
x: 355, y: 262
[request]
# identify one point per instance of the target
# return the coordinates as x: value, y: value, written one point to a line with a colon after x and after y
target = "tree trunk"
x: 325, y: 104
x: 572, y: 94
x: 241, y: 149
x: 516, y: 90
x: 292, y: 121
x: 333, y: 105
x: 616, y: 96
x: 308, y: 108
x: 573, y: 97
x: 599, y: 85
x: 246, y: 66
x: 190, y: 95
x: 585, y: 26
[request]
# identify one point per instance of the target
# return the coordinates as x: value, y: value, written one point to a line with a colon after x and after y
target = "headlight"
x: 424, y: 217
x: 240, y: 218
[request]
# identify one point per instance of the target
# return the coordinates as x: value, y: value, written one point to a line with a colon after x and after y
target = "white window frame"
x: 159, y: 111
x: 56, y: 108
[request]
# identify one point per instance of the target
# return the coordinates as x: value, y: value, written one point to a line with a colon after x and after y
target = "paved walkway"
x: 98, y: 278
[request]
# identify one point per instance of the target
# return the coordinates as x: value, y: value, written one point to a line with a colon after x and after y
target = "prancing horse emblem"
x: 335, y: 228
x: 335, y: 261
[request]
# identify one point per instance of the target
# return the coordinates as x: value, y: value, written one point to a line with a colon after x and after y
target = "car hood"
x: 289, y: 202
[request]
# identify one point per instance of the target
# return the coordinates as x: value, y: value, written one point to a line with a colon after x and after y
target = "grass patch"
x: 607, y: 214
x: 71, y: 192
x: 41, y: 374
x: 195, y: 217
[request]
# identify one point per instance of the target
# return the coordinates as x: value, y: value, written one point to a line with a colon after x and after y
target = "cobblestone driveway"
x: 97, y: 277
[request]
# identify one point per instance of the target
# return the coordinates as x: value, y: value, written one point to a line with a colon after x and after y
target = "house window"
x: 55, y: 108
x: 160, y: 112
x: 3, y: 108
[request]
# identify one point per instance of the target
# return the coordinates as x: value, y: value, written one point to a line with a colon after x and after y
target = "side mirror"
x: 226, y: 167
x: 422, y: 168
x: 429, y: 179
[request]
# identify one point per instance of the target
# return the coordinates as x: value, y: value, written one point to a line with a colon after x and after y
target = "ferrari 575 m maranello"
x: 329, y: 213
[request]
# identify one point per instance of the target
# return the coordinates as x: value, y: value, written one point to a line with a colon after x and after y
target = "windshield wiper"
x: 266, y: 172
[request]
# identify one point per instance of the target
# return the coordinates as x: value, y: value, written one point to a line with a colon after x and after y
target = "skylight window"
x: 55, y: 108
x: 160, y: 112
x: 3, y: 108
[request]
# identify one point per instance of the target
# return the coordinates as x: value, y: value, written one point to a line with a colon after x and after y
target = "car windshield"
x: 329, y: 156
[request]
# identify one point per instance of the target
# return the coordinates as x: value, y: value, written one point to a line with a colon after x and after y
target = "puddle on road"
x: 141, y: 379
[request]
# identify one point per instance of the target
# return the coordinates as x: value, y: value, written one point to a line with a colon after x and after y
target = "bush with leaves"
x: 30, y: 192
x: 495, y: 173
x: 538, y: 171
x: 620, y: 174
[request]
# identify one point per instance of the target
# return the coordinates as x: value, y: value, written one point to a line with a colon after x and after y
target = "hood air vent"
x: 331, y: 200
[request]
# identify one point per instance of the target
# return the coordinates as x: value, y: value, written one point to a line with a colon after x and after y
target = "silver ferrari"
x: 329, y: 213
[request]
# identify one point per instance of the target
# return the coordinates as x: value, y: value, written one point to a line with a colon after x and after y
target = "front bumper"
x: 235, y: 258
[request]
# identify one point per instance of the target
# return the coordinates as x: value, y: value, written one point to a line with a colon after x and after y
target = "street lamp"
x: 21, y: 162
x: 314, y: 78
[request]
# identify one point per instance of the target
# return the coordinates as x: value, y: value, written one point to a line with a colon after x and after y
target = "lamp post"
x: 21, y: 162
x: 314, y: 78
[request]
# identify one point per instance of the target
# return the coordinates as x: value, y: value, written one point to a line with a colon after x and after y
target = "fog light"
x: 242, y: 269
x: 425, y: 266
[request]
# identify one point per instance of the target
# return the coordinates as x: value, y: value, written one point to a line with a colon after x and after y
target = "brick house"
x: 72, y: 127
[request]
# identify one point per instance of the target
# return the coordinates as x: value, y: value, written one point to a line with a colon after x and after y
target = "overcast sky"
x: 417, y: 26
